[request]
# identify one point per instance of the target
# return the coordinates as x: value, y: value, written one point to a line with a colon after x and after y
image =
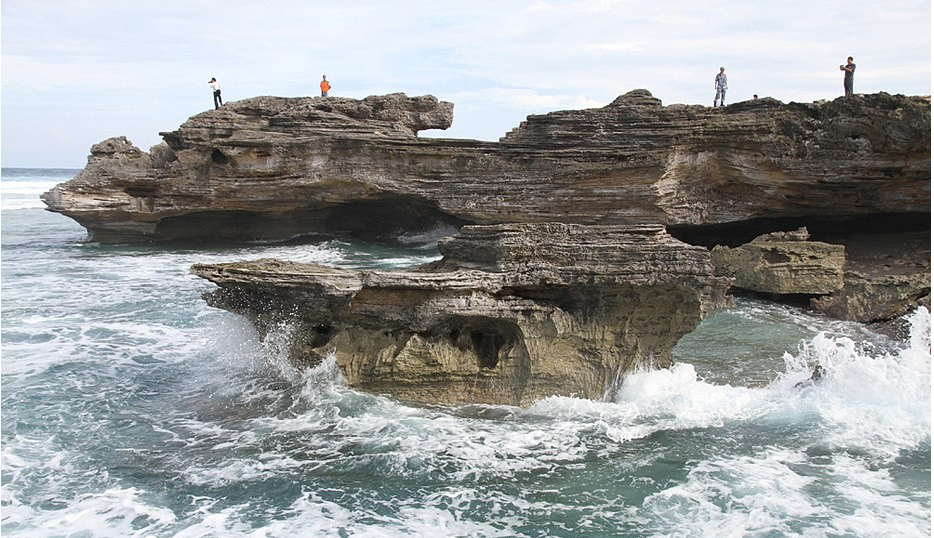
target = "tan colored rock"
x: 783, y: 263
x: 869, y: 299
x: 549, y: 309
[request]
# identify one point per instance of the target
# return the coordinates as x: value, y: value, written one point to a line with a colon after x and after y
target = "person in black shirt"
x: 848, y: 71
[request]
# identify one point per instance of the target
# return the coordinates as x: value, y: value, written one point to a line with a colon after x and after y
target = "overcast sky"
x: 75, y: 72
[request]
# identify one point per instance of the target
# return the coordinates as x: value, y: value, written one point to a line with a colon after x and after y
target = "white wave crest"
x: 868, y: 400
x: 678, y: 398
x: 428, y: 237
x: 113, y: 512
x: 785, y: 493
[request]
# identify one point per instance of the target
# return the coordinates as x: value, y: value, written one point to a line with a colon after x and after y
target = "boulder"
x: 783, y: 263
x: 869, y: 299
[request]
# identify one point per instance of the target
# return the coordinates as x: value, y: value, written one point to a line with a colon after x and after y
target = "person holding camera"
x: 848, y: 70
x: 217, y: 93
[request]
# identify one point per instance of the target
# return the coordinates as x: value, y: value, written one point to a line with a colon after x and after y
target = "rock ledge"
x: 512, y: 313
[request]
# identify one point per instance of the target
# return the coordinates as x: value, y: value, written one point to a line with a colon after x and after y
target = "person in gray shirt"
x: 719, y: 84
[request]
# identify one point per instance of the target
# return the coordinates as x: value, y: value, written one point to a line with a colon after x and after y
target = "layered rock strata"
x: 269, y: 167
x: 563, y: 278
x: 511, y: 314
x: 783, y: 263
x: 886, y: 276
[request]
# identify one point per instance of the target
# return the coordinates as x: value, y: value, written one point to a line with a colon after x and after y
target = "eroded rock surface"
x: 563, y: 278
x: 269, y: 167
x: 511, y: 314
x: 783, y: 263
x: 261, y: 168
x: 866, y: 277
x: 887, y: 276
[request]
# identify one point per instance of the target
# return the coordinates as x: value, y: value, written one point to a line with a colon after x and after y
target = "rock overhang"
x: 633, y: 161
x: 544, y: 314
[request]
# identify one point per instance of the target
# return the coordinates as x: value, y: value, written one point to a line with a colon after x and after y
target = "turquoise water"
x: 131, y: 408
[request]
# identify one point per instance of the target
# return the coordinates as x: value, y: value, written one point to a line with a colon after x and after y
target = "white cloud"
x: 528, y: 99
x: 613, y: 47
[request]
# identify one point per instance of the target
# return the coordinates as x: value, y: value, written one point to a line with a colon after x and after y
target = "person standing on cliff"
x: 719, y: 85
x: 325, y: 86
x: 217, y: 93
x: 848, y: 71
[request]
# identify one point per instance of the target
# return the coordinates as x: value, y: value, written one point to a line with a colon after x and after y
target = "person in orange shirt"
x: 325, y: 86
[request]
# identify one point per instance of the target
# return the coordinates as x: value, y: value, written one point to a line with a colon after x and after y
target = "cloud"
x: 616, y: 47
x: 497, y: 61
x: 528, y: 99
x: 48, y: 74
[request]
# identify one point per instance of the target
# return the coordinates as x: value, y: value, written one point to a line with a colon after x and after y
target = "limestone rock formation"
x: 882, y: 298
x: 511, y: 314
x: 887, y: 276
x: 564, y: 277
x: 866, y: 277
x: 783, y: 263
x: 269, y: 167
x: 262, y: 168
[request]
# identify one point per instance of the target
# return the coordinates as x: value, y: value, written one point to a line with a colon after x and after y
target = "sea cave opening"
x: 389, y: 220
x: 829, y: 230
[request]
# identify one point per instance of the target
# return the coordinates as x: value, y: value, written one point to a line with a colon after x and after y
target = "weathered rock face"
x: 887, y: 276
x: 511, y: 314
x: 866, y: 278
x: 563, y: 278
x: 274, y: 167
x: 262, y: 168
x: 867, y: 299
x: 783, y: 263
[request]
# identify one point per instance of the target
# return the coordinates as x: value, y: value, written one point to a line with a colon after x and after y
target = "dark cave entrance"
x: 830, y: 230
x: 389, y: 220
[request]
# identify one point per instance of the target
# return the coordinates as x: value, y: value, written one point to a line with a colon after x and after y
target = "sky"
x: 75, y: 72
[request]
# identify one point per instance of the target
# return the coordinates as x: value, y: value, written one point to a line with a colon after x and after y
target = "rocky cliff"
x: 583, y: 245
x: 268, y: 167
x: 512, y: 313
x: 866, y: 277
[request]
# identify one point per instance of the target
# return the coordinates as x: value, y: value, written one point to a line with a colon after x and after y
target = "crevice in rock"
x: 216, y: 226
x: 146, y: 191
x: 828, y: 230
x: 396, y: 220
x: 219, y: 158
x: 487, y: 345
x: 797, y: 300
x: 485, y: 338
x: 223, y: 227
x: 319, y: 335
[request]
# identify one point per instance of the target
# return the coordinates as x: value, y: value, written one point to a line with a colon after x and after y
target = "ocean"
x: 132, y: 409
